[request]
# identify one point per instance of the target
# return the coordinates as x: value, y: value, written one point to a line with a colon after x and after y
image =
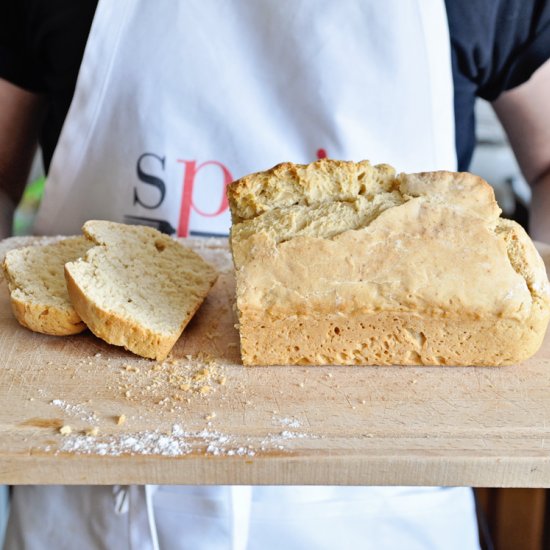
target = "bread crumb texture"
x: 35, y: 276
x: 137, y: 287
x: 348, y: 263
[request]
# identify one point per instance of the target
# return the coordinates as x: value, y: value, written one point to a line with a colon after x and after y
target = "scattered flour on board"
x: 176, y: 443
x: 76, y: 411
x: 290, y: 422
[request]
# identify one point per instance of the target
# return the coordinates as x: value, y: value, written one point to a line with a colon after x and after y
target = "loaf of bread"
x: 137, y: 287
x: 36, y: 280
x: 348, y: 263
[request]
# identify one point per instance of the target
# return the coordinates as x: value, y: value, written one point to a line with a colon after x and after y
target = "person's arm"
x: 525, y: 115
x: 21, y: 115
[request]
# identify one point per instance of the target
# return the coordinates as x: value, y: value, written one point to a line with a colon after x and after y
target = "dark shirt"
x: 496, y: 45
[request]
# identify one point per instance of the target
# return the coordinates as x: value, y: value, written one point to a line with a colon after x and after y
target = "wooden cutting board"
x: 201, y: 417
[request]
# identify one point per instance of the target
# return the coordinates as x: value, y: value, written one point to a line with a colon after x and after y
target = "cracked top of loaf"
x: 337, y: 236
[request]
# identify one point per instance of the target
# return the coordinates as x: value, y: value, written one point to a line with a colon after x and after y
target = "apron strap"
x: 136, y: 501
x: 241, y: 502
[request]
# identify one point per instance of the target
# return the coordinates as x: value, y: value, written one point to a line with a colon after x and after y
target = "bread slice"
x: 137, y: 288
x: 38, y: 293
x: 348, y: 263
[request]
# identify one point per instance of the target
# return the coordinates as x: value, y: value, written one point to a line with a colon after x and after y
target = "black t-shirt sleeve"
x: 496, y: 45
x: 16, y: 60
x: 42, y: 43
x: 499, y: 44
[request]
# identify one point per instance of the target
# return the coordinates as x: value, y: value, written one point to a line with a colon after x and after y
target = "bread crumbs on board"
x: 168, y: 383
x: 172, y: 381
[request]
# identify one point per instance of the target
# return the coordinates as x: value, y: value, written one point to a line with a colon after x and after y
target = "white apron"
x: 177, y: 98
x: 173, y: 101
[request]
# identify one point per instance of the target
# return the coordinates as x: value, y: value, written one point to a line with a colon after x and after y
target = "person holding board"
x: 145, y: 112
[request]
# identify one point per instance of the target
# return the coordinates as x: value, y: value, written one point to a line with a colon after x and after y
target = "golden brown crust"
x: 288, y: 184
x: 47, y: 319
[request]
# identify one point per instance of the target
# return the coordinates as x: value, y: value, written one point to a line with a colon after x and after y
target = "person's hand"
x: 21, y: 115
x: 525, y: 115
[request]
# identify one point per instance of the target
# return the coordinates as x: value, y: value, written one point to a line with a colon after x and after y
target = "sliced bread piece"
x: 137, y: 288
x: 38, y: 292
